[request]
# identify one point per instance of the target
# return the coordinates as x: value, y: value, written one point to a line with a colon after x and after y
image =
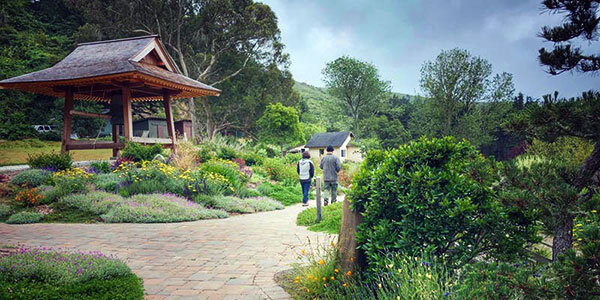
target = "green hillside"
x: 319, y: 107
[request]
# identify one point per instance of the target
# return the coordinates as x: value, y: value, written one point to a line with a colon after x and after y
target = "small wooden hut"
x: 117, y: 72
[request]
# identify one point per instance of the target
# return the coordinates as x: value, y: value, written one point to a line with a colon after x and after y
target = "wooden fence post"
x: 351, y: 258
x: 318, y: 197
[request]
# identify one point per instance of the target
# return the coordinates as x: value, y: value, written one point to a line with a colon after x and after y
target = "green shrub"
x: 50, y: 136
x: 95, y: 202
x: 25, y: 217
x: 276, y: 169
x: 245, y: 192
x: 108, y: 182
x: 436, y: 195
x: 72, y: 181
x: 263, y: 203
x: 138, y: 152
x: 292, y: 158
x: 100, y: 166
x: 331, y: 218
x: 15, y: 127
x: 227, y: 203
x: 227, y: 169
x: 205, y: 153
x: 32, y: 178
x: 287, y: 195
x: 265, y: 188
x: 149, y: 186
x: 50, y: 193
x: 115, y: 288
x: 227, y: 153
x: 46, y: 274
x: 159, y: 208
x: 253, y: 158
x: 50, y: 161
x: 503, y: 281
x: 569, y: 150
x: 5, y: 210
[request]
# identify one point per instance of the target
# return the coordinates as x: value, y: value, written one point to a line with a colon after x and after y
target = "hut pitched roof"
x: 139, y: 58
x: 324, y: 139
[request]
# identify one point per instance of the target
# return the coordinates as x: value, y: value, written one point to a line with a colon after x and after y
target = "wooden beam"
x: 127, y: 84
x: 115, y: 136
x: 127, y: 117
x: 169, y: 115
x: 67, y: 121
x: 92, y: 145
x: 88, y: 114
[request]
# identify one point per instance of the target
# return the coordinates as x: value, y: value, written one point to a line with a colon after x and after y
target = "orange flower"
x: 349, y: 273
x: 324, y: 278
x: 321, y: 262
x: 336, y: 270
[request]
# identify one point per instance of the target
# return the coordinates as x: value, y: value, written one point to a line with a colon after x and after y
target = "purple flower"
x: 446, y: 294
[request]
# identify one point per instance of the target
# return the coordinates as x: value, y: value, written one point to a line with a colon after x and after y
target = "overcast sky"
x: 398, y: 36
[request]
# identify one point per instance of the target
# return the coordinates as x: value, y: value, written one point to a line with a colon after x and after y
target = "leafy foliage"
x: 356, y: 86
x: 280, y: 125
x: 138, y: 152
x: 31, y: 178
x: 25, y: 217
x: 436, y: 196
x: 50, y: 161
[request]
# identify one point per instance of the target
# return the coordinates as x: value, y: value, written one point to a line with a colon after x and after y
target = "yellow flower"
x: 309, y: 276
x: 399, y: 270
x: 332, y: 244
x: 324, y: 278
x: 352, y: 259
x: 344, y: 285
x: 324, y: 284
x: 332, y: 278
x: 308, y: 291
x: 297, y: 277
x: 579, y: 225
x: 594, y: 211
x: 390, y: 266
x: 336, y: 270
x: 321, y: 262
x: 428, y: 276
x: 416, y: 258
x: 296, y: 281
x: 303, y: 251
x: 379, y: 285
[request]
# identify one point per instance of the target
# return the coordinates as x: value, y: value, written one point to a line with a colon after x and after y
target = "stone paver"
x: 234, y: 258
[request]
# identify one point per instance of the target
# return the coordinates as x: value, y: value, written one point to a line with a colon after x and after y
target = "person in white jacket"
x: 306, y: 171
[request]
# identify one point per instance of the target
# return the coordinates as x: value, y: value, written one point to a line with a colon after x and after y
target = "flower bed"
x: 46, y: 274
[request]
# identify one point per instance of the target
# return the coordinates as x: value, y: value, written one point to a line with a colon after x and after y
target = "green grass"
x: 331, y: 220
x: 16, y: 152
x: 70, y: 215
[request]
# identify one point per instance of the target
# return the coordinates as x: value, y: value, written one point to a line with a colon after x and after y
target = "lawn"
x: 16, y: 152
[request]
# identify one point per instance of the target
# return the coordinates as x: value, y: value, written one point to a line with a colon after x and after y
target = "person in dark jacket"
x: 306, y: 171
x: 331, y: 166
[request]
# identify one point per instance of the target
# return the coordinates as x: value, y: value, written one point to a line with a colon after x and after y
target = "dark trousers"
x: 305, y: 188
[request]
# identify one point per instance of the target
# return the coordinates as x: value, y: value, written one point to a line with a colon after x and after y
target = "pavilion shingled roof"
x: 92, y: 68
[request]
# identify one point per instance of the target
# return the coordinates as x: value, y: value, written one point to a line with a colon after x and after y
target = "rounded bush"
x: 25, y: 217
x: 437, y: 196
x: 50, y: 161
x: 5, y: 210
x: 31, y: 178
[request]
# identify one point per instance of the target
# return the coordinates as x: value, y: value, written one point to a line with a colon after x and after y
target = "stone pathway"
x: 232, y: 258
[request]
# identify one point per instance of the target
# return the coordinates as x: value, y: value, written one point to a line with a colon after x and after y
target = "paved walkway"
x: 232, y: 258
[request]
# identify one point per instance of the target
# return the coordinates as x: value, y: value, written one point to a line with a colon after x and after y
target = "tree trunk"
x: 351, y: 258
x: 563, y: 236
x: 589, y: 167
x: 192, y: 112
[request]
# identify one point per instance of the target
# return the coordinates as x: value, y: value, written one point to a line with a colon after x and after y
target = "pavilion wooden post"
x: 127, y: 118
x: 67, y: 121
x: 115, y: 136
x: 169, y: 115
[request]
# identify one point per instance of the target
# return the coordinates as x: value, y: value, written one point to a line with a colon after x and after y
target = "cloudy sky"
x: 398, y: 36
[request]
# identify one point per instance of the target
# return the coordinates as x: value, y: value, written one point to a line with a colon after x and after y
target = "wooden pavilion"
x: 117, y: 72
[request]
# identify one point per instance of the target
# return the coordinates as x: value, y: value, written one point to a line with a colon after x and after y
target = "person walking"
x: 306, y: 171
x: 331, y: 166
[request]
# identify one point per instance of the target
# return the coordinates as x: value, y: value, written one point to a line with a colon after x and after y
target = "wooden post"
x: 351, y: 258
x: 318, y: 197
x: 127, y: 118
x: 115, y: 136
x: 169, y: 115
x: 67, y: 121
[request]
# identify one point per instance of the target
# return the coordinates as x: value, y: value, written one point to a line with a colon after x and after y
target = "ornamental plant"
x: 32, y: 178
x: 435, y: 196
x: 29, y: 196
x: 50, y: 161
x: 73, y: 180
x: 138, y: 152
x: 25, y: 217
